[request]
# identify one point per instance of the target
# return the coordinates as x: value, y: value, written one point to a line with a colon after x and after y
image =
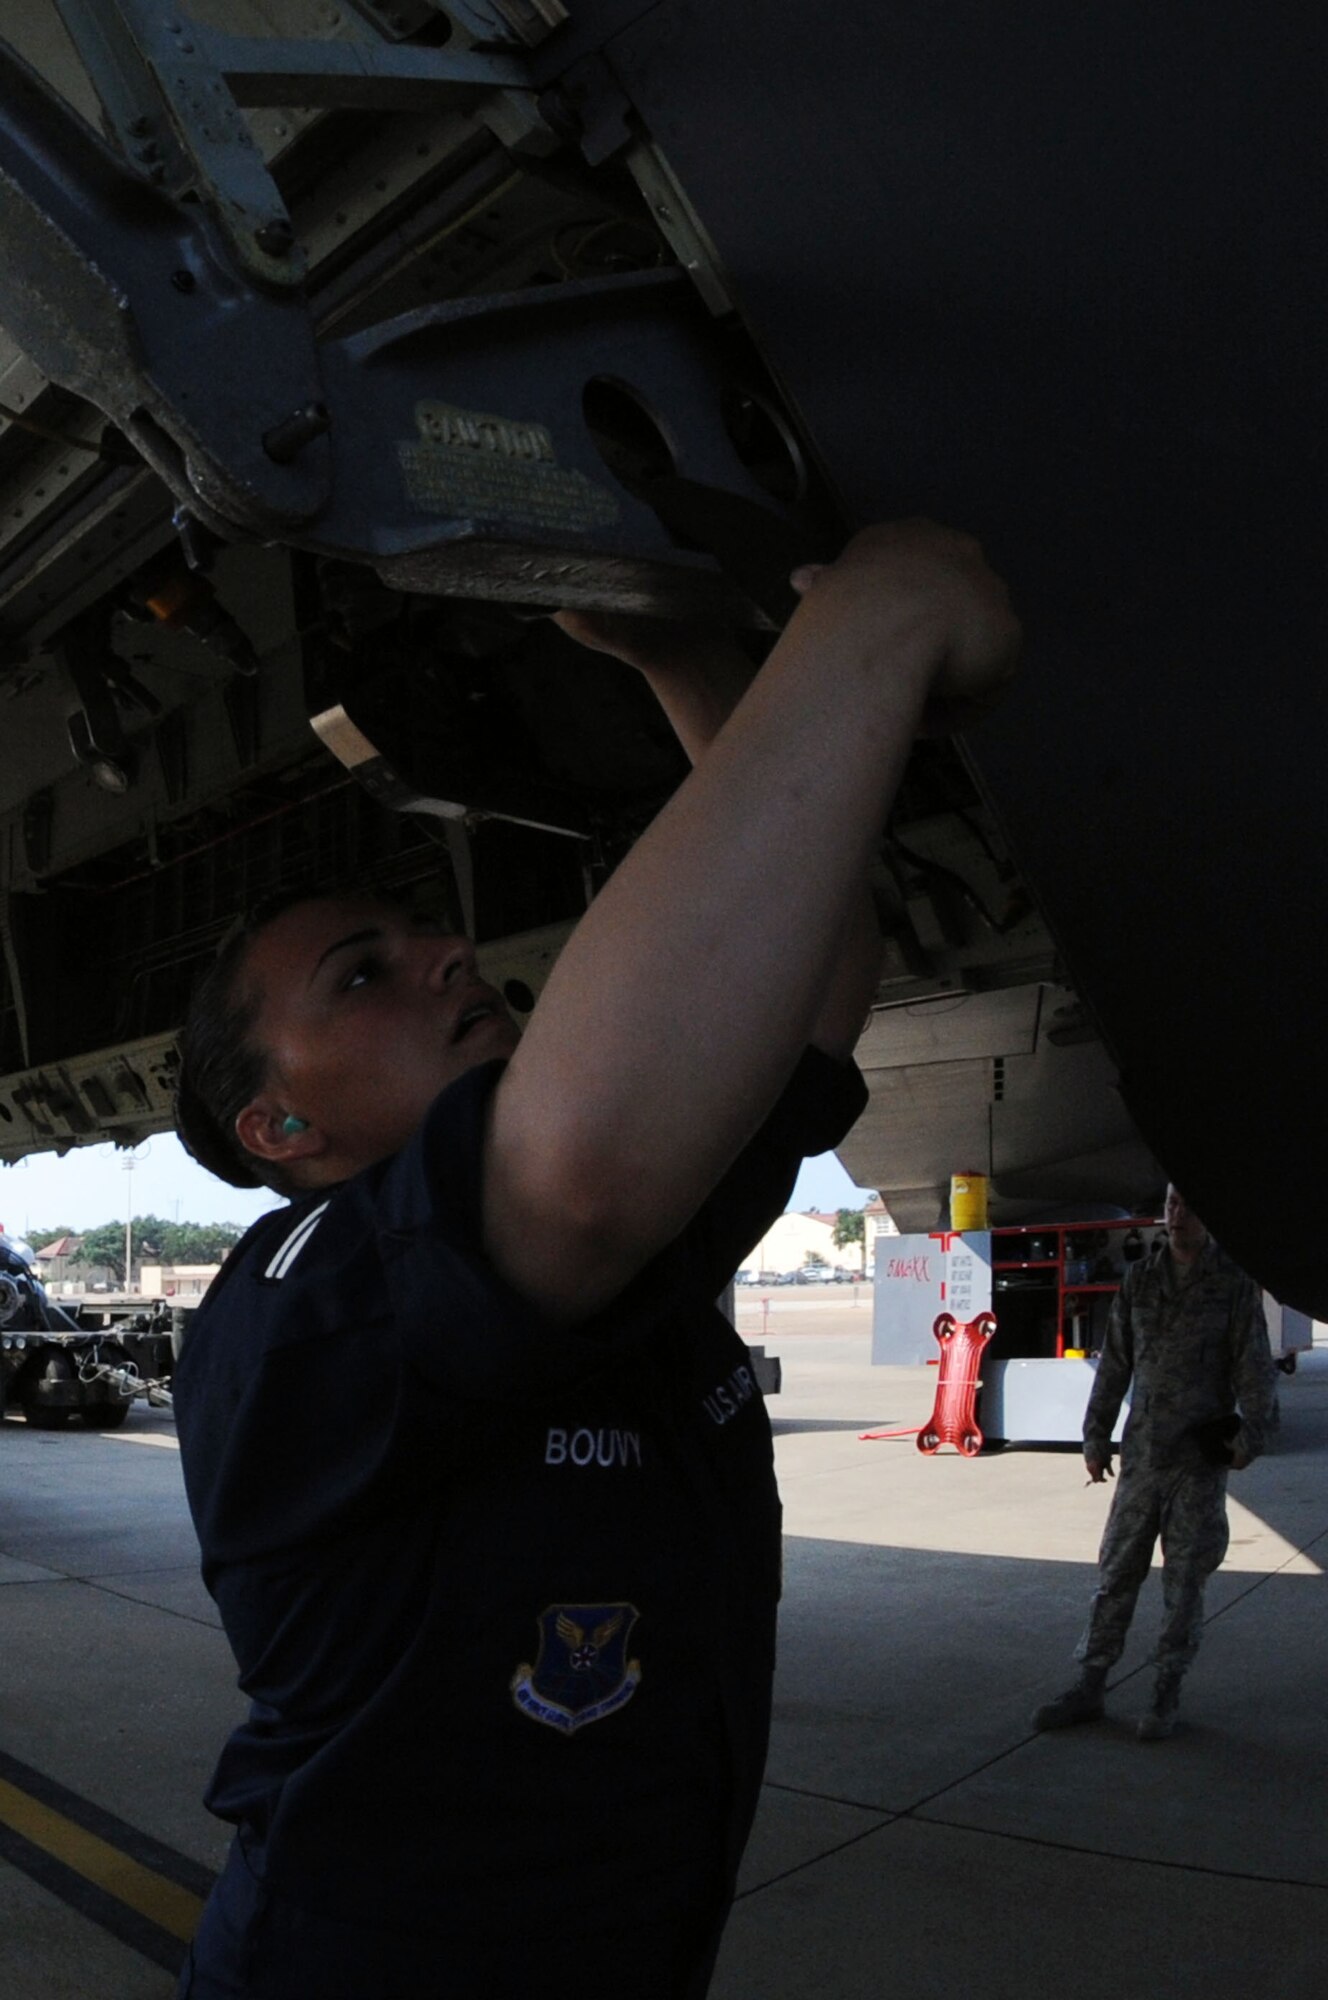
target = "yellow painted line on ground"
x: 166, y: 1904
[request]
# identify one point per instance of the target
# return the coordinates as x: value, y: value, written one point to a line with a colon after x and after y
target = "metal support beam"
x: 357, y: 76
x: 173, y: 92
x: 501, y: 447
x: 132, y: 300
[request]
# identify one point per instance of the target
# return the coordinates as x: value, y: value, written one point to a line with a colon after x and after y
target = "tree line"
x: 155, y: 1241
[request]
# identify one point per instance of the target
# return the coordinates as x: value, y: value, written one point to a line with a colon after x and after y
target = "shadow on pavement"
x: 795, y: 1426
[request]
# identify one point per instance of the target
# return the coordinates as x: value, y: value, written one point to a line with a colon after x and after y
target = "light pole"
x: 129, y: 1162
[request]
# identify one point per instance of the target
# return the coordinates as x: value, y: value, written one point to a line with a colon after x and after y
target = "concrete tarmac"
x: 914, y: 1836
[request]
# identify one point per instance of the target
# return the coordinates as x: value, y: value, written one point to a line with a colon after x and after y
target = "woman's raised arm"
x: 688, y: 991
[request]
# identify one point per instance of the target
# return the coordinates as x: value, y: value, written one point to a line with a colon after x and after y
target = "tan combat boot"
x: 1084, y: 1702
x: 1160, y: 1721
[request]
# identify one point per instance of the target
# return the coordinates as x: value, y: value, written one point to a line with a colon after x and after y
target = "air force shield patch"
x: 583, y: 1672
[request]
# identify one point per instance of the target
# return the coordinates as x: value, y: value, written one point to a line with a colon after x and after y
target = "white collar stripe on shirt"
x: 295, y: 1242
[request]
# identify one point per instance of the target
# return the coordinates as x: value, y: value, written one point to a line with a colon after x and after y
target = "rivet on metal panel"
x: 275, y: 237
x: 284, y: 442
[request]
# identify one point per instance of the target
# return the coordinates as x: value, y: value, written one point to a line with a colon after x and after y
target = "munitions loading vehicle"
x: 52, y: 1368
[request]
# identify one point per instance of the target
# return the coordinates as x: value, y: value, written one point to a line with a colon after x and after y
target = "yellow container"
x: 968, y: 1201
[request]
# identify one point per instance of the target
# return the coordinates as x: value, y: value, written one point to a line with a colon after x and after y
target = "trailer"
x: 52, y: 1368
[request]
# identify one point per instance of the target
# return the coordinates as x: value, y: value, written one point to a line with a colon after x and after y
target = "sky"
x: 91, y: 1185
x: 823, y: 1184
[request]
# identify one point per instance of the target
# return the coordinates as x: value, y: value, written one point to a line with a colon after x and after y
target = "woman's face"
x: 365, y: 1014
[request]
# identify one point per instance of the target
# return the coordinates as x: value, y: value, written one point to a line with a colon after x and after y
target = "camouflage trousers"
x: 1187, y: 1509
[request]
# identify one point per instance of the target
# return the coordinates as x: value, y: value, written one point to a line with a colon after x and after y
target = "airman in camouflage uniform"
x: 1189, y: 1328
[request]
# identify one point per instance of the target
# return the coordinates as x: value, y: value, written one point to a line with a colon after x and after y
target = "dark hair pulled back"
x: 222, y: 1068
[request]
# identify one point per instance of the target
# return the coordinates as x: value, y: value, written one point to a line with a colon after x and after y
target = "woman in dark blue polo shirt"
x: 481, y: 1477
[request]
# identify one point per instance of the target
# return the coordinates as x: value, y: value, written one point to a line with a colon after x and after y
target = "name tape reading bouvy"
x: 586, y: 1447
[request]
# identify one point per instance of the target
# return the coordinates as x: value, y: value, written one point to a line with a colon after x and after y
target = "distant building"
x: 55, y: 1258
x: 64, y: 1271
x: 186, y: 1282
x: 877, y: 1221
x: 789, y: 1239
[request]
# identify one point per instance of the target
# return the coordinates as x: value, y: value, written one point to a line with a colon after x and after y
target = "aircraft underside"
x: 343, y: 342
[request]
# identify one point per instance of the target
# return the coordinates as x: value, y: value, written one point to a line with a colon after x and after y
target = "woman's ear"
x: 269, y: 1131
